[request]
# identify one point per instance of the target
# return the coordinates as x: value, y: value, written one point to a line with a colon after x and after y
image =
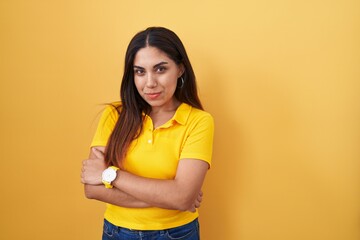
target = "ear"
x: 181, y: 70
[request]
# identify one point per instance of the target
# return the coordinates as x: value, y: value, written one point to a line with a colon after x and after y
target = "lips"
x: 152, y: 96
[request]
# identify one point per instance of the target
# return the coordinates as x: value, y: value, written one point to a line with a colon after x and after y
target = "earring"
x: 182, y: 82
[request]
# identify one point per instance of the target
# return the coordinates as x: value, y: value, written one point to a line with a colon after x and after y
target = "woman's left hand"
x: 91, y: 171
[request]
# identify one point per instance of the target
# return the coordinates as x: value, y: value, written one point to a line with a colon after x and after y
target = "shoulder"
x: 111, y: 111
x: 200, y: 113
x: 197, y: 115
x: 113, y: 108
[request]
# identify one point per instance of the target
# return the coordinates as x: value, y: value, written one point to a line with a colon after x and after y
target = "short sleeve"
x: 199, y: 142
x: 105, y: 126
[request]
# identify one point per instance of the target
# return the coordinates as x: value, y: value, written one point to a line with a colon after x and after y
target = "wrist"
x: 109, y: 175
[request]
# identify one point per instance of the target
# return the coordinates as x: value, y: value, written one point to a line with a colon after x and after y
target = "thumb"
x: 98, y: 153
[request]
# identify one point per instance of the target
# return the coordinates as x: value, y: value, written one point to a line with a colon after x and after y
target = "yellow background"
x: 281, y: 78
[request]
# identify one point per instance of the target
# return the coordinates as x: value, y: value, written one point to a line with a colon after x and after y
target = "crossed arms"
x: 181, y: 193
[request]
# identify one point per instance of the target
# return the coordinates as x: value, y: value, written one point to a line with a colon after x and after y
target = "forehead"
x: 150, y: 56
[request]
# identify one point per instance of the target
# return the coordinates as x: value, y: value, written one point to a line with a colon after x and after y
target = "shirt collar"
x: 182, y: 113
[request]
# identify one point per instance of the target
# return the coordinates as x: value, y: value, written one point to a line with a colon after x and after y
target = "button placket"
x: 150, y: 132
x: 150, y: 136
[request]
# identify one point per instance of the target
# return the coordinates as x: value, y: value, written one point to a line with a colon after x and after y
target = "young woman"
x: 151, y: 150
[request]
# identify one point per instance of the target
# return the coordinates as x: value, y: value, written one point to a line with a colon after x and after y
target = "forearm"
x: 113, y: 196
x: 169, y: 194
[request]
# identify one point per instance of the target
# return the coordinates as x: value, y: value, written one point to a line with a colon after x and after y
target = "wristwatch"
x: 109, y: 175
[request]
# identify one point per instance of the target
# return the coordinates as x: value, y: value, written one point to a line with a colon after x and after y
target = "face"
x: 156, y: 76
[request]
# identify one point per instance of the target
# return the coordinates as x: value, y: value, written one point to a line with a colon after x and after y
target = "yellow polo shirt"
x: 156, y: 154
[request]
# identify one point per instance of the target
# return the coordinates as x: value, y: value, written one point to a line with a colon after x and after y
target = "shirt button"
x: 149, y: 141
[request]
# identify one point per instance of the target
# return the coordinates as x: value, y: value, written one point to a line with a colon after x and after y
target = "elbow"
x: 184, y: 207
x: 185, y: 199
x: 89, y: 194
x: 185, y: 204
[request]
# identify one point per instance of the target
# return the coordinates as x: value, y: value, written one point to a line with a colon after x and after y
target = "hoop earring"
x: 182, y: 82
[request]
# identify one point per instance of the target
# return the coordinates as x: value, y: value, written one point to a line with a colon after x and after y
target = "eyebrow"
x: 155, y: 66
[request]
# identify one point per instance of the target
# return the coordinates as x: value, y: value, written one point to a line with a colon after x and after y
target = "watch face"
x: 109, y: 175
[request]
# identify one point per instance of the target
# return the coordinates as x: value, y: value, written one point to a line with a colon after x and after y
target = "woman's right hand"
x: 197, y: 202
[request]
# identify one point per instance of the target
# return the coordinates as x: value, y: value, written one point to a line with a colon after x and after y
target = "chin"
x: 154, y: 103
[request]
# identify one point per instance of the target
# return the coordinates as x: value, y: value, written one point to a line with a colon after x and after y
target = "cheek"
x: 138, y: 84
x: 171, y: 83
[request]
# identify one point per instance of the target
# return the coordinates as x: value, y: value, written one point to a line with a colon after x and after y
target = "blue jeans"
x: 188, y: 231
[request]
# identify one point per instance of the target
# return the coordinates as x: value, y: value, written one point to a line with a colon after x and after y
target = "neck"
x: 166, y: 109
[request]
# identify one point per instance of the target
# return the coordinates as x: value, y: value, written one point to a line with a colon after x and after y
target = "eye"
x: 139, y: 72
x: 160, y: 69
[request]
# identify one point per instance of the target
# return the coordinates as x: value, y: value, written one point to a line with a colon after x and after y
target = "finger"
x: 198, y: 202
x: 200, y: 193
x: 199, y: 198
x: 99, y: 154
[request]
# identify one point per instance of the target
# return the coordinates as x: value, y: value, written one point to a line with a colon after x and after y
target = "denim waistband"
x: 113, y: 231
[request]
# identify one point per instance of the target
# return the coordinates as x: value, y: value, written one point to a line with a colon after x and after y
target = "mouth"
x: 152, y: 95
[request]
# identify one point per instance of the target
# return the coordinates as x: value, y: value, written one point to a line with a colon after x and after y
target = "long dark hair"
x: 129, y: 125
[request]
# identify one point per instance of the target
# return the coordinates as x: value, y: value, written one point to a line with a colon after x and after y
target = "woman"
x: 151, y: 151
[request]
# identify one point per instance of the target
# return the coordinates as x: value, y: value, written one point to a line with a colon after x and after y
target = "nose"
x: 151, y: 81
